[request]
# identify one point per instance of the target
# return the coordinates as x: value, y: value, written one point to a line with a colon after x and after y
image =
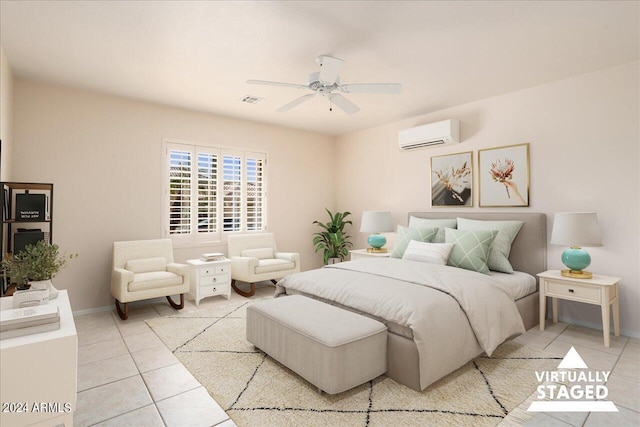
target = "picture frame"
x: 452, y: 180
x: 504, y: 176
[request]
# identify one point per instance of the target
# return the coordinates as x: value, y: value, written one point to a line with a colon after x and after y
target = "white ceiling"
x: 198, y: 55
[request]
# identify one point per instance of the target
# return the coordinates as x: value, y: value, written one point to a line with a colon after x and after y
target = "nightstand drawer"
x: 207, y: 291
x: 208, y: 271
x: 573, y: 292
x: 214, y: 279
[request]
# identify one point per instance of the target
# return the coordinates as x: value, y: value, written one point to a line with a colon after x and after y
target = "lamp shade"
x: 576, y: 229
x: 376, y: 222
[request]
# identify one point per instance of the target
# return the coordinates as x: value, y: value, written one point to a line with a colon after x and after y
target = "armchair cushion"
x: 260, y: 253
x: 273, y: 265
x: 146, y: 265
x: 153, y: 280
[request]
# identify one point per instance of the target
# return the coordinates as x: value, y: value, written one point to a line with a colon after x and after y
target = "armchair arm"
x: 180, y: 270
x: 120, y: 278
x: 289, y: 256
x: 242, y: 267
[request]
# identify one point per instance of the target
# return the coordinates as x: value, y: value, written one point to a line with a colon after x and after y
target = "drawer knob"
x: 570, y: 290
x: 215, y: 279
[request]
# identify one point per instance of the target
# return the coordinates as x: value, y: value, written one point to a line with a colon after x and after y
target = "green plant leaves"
x: 333, y: 241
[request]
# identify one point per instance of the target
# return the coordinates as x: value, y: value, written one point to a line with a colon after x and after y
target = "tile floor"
x: 126, y: 376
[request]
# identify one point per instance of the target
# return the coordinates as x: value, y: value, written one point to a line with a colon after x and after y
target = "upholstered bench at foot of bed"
x: 333, y: 349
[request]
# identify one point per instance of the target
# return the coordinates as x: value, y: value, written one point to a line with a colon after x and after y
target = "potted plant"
x: 333, y: 240
x: 37, y: 264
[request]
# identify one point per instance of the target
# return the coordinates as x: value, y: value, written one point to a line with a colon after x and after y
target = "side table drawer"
x: 207, y: 291
x: 573, y: 292
x: 214, y: 279
x: 208, y: 271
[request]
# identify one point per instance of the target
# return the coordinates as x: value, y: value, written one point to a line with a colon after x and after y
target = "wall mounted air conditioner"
x: 439, y: 133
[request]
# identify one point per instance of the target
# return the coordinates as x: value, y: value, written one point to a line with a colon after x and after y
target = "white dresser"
x: 39, y: 373
x: 210, y: 278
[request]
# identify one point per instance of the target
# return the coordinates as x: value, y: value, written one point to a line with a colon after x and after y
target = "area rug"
x: 255, y: 390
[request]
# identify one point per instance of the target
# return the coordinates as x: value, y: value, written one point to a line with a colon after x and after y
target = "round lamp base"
x: 377, y: 241
x: 575, y: 274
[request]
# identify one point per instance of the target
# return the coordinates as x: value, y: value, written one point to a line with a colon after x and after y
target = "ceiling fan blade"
x: 267, y: 83
x: 295, y: 102
x: 344, y: 104
x: 330, y: 68
x: 372, y: 88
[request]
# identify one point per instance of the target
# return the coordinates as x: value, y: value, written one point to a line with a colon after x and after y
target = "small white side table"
x: 362, y: 253
x: 40, y: 368
x: 599, y: 290
x: 209, y: 278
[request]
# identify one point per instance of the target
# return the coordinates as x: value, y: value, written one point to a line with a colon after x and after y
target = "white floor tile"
x: 94, y: 335
x: 624, y: 393
x: 169, y: 381
x: 96, y: 320
x: 591, y: 338
x: 194, y: 408
x: 110, y: 400
x: 154, y: 358
x: 101, y: 350
x: 595, y: 360
x: 106, y: 371
x: 623, y: 417
x: 544, y: 420
x: 141, y: 342
x: 134, y: 327
x: 147, y: 416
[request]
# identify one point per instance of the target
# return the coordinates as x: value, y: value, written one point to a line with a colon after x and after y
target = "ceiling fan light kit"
x: 327, y: 80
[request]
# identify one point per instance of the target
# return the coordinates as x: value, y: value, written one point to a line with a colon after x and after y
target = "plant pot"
x: 45, y: 284
x: 331, y: 261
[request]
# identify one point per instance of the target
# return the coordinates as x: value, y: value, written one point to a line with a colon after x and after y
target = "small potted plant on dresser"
x: 36, y: 265
x: 332, y: 240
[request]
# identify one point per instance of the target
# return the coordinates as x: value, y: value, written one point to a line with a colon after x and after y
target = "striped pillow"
x: 431, y: 253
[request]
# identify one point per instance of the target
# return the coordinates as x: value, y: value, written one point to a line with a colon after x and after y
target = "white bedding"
x: 454, y: 314
x: 516, y: 285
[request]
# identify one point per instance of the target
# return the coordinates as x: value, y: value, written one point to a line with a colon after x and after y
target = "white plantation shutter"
x: 210, y: 191
x: 232, y: 199
x: 255, y: 191
x: 207, y: 210
x: 180, y: 162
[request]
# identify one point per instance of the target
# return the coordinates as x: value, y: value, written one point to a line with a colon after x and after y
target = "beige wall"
x: 584, y: 141
x: 104, y: 156
x: 6, y: 117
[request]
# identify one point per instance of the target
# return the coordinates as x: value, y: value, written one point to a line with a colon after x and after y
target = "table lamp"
x: 576, y: 229
x: 376, y: 222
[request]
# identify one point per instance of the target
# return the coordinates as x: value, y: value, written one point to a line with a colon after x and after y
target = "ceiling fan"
x: 326, y: 81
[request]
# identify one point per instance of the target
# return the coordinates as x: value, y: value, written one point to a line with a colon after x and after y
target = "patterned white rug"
x: 255, y: 390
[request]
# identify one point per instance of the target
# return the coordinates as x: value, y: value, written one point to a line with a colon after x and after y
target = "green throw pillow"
x: 501, y: 247
x: 406, y: 234
x: 440, y: 224
x: 471, y: 249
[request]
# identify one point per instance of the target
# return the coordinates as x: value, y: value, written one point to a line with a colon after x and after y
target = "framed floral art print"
x: 452, y: 180
x: 504, y: 176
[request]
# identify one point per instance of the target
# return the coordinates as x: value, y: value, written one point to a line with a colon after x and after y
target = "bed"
x: 436, y: 322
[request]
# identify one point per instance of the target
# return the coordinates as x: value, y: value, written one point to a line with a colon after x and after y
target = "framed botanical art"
x: 504, y: 176
x: 452, y: 180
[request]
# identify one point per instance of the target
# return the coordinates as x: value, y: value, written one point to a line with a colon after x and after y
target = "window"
x: 212, y: 191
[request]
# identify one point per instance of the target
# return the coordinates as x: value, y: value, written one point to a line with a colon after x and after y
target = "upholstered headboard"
x: 529, y: 249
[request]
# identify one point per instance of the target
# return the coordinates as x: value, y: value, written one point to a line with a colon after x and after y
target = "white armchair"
x: 255, y: 258
x: 144, y: 269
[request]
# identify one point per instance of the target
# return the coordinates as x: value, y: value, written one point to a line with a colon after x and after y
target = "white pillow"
x: 431, y: 253
x: 146, y: 265
x: 260, y: 253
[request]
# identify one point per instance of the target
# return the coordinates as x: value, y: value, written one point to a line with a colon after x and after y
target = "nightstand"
x: 210, y: 278
x: 362, y: 253
x: 599, y: 290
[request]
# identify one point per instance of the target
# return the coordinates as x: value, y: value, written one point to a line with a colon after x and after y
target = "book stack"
x: 213, y: 256
x: 31, y: 320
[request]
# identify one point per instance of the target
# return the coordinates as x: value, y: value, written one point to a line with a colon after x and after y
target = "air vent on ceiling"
x: 249, y: 99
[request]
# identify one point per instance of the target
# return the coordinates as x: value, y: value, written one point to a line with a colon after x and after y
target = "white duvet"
x: 454, y: 314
